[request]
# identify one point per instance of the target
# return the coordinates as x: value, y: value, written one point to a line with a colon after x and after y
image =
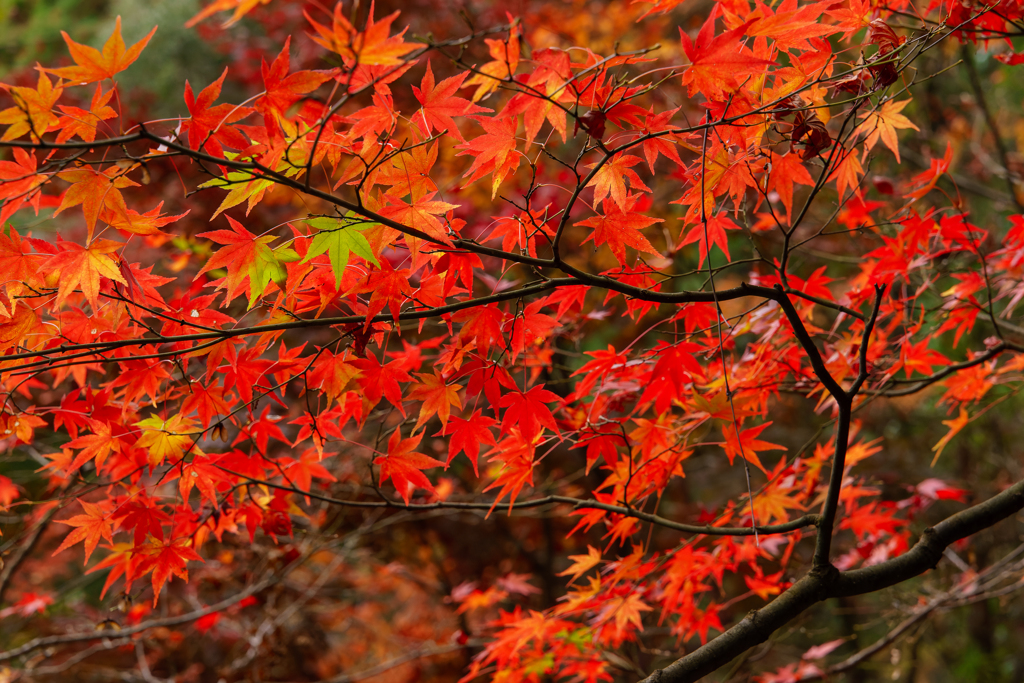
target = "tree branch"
x: 822, y: 583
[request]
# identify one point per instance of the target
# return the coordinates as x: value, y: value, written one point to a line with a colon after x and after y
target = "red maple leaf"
x: 527, y: 411
x: 440, y: 104
x: 403, y: 465
x: 467, y: 435
x: 713, y: 233
x: 210, y: 127
x: 718, y: 63
x: 619, y: 226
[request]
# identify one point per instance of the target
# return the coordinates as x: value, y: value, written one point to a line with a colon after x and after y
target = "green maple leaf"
x: 339, y: 238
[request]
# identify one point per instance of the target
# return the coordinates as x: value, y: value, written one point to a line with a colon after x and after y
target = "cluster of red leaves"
x: 440, y: 312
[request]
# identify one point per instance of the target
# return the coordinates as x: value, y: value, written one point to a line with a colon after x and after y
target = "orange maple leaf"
x: 438, y: 397
x: 581, y: 564
x: 612, y: 177
x: 93, y: 65
x: 95, y: 524
x: 955, y: 425
x: 283, y: 89
x: 847, y: 174
x: 19, y: 183
x: 503, y: 64
x: 387, y: 286
x: 33, y: 110
x: 95, y: 191
x: 883, y: 123
x: 240, y: 7
x: 83, y: 122
x: 402, y: 465
x: 81, y: 266
x: 209, y: 126
x: 371, y: 46
x: 422, y: 215
x: 96, y: 446
x: 787, y: 169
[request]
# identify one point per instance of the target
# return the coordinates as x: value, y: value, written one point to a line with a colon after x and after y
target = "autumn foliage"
x: 617, y: 286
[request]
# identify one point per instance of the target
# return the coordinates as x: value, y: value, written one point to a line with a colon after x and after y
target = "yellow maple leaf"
x: 883, y: 123
x: 955, y: 426
x: 581, y: 564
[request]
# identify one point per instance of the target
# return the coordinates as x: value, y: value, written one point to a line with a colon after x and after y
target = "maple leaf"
x: 626, y: 612
x: 660, y: 7
x: 611, y: 179
x: 718, y: 63
x: 787, y: 169
x: 333, y: 374
x: 97, y: 523
x: 440, y: 104
x: 955, y: 426
x: 203, y: 473
x: 242, y: 257
x: 19, y: 183
x: 83, y: 122
x: 387, y: 286
x: 421, y: 215
x: 791, y: 27
x: 532, y: 327
x: 919, y: 358
x: 16, y: 327
x: 438, y: 397
x: 847, y: 173
x: 712, y: 233
x: 883, y: 123
x: 526, y: 410
x: 928, y: 179
x: 240, y: 7
x: 338, y: 238
x: 85, y: 267
x: 494, y: 153
x: 581, y: 564
x: 32, y: 111
x: 403, y: 465
x: 281, y: 89
x: 135, y: 223
x: 371, y: 46
x: 467, y: 435
x: 96, y: 446
x: 748, y: 445
x: 503, y: 64
x: 516, y: 456
x: 95, y: 191
x: 303, y: 470
x: 209, y: 127
x: 167, y: 439
x: 764, y: 586
x: 93, y: 65
x: 166, y: 559
x: 619, y: 226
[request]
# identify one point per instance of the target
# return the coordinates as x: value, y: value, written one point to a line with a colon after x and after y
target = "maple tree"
x: 424, y: 286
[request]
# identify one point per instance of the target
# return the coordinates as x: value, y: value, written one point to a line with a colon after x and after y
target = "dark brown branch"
x: 827, y: 582
x: 577, y: 503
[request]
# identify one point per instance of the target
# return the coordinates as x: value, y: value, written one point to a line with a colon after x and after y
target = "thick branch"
x: 827, y: 582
